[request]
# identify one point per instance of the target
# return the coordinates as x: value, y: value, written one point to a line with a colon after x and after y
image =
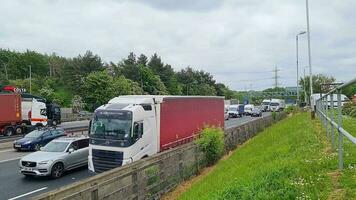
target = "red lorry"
x: 10, y: 114
x: 129, y: 128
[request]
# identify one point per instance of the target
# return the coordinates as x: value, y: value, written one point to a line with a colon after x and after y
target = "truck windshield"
x: 233, y: 109
x: 265, y: 103
x: 274, y: 104
x: 116, y: 125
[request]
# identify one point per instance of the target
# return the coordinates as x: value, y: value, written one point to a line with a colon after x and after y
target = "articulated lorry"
x: 130, y: 128
x: 18, y: 114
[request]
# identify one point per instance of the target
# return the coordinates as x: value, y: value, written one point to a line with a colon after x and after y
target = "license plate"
x: 17, y: 145
x: 28, y: 169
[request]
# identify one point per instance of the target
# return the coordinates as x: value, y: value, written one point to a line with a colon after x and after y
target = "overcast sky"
x: 235, y: 40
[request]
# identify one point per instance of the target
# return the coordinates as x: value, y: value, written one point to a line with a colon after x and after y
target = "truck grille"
x: 105, y: 160
x: 28, y: 164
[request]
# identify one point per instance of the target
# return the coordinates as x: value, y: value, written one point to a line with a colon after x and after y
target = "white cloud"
x: 221, y: 37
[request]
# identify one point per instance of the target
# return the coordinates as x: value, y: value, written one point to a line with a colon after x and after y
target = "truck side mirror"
x: 89, y: 129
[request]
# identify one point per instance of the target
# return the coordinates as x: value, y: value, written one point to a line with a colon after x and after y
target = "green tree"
x: 318, y: 79
x: 196, y: 82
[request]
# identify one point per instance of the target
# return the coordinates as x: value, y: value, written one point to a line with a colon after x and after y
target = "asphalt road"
x: 241, y: 120
x: 13, y: 185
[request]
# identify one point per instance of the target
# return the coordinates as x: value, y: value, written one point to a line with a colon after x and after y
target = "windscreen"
x: 274, y: 104
x: 233, y: 109
x: 113, y: 125
x: 34, y: 134
x: 55, y: 146
x: 265, y: 103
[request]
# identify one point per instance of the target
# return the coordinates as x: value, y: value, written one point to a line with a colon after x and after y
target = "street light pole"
x: 296, y: 38
x: 30, y: 80
x: 304, y: 85
x: 309, y: 54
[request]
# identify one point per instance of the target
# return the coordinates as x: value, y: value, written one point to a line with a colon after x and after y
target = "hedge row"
x: 349, y: 109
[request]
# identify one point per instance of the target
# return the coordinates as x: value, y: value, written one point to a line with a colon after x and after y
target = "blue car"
x: 37, y: 139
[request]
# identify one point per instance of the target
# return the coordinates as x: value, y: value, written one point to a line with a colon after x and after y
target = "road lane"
x: 14, y: 184
x: 240, y: 120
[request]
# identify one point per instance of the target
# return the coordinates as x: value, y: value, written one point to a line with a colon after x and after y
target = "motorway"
x: 13, y: 185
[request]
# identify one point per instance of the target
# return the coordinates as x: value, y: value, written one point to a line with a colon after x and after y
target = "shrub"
x: 211, y: 142
x: 349, y: 109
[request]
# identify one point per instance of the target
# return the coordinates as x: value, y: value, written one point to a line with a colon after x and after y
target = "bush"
x: 349, y: 109
x: 211, y: 142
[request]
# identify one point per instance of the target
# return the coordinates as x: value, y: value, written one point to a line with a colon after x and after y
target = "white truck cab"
x: 125, y: 121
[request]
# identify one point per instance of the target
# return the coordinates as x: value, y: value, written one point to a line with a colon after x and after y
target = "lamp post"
x: 309, y: 55
x: 30, y: 79
x: 296, y: 38
x: 304, y: 86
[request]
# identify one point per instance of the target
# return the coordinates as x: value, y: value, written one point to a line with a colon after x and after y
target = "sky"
x: 240, y: 42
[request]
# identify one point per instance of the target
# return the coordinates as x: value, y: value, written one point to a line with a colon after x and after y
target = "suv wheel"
x: 57, y: 170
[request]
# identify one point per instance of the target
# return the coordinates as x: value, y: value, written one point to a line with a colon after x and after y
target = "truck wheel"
x: 18, y: 130
x: 57, y: 170
x: 54, y: 123
x: 9, y: 131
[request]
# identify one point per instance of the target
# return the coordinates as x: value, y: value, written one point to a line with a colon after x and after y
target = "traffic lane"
x: 232, y: 122
x: 74, y: 124
x: 11, y: 154
x: 15, y: 185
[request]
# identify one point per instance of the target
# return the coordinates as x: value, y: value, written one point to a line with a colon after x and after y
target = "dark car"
x: 256, y: 112
x: 37, y: 139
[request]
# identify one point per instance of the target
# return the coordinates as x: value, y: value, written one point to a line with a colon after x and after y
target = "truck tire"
x: 18, y: 130
x: 9, y: 131
x: 54, y: 123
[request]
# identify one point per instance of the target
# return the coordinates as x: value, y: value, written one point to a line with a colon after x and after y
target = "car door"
x: 46, y: 137
x: 73, y: 158
x: 83, y: 150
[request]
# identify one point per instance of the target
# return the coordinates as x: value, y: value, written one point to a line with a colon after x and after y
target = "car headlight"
x: 45, y: 162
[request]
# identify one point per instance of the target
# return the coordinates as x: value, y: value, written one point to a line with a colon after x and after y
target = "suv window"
x: 83, y: 143
x: 74, y: 145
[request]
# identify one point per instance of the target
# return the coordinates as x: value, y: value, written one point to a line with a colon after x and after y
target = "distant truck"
x: 265, y: 105
x: 53, y: 111
x: 248, y: 109
x: 317, y: 96
x: 277, y: 105
x: 17, y: 116
x: 130, y: 128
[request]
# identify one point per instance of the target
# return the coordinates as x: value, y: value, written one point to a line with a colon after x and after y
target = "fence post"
x: 339, y: 124
x: 326, y: 116
x: 332, y: 119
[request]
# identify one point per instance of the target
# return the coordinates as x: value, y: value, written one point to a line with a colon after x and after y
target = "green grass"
x: 290, y: 160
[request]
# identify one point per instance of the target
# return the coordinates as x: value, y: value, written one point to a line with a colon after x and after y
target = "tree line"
x: 59, y: 79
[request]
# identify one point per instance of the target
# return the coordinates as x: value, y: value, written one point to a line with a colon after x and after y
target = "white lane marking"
x: 23, y: 195
x: 6, y: 150
x: 7, y: 160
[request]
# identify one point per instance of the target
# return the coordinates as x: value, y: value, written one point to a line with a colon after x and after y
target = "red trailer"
x: 182, y: 117
x: 10, y: 114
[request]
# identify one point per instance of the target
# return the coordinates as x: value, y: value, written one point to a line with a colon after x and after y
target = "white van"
x: 248, y: 109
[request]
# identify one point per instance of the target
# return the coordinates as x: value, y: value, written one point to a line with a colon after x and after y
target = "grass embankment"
x: 291, y: 160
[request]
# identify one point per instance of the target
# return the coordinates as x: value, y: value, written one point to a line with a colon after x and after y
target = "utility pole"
x: 7, y: 78
x: 30, y: 79
x: 309, y: 55
x: 276, y: 70
x: 300, y: 33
